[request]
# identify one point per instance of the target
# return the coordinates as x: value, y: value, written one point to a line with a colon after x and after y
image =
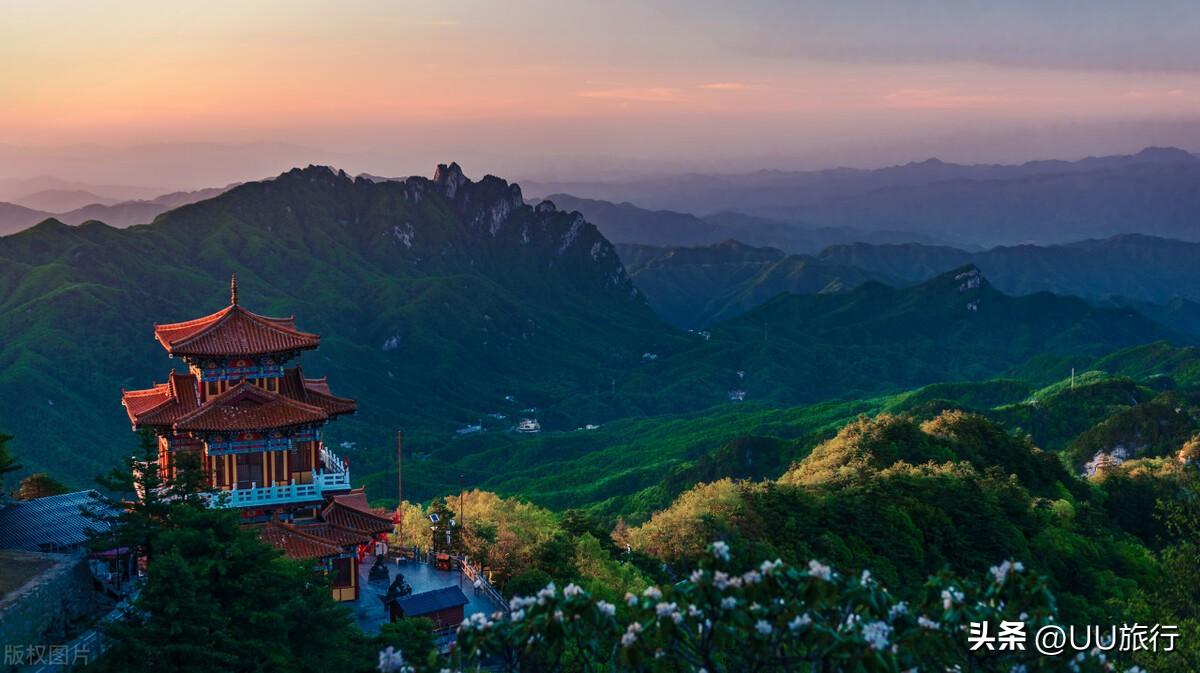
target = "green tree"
x: 143, y: 499
x: 527, y: 582
x: 447, y: 534
x: 8, y: 462
x: 218, y: 599
x: 39, y: 485
x: 412, y: 636
x: 1175, y: 599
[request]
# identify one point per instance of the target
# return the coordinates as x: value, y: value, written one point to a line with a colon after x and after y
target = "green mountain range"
x: 700, y: 286
x: 696, y: 287
x: 1133, y: 266
x: 447, y: 304
x: 626, y: 223
x: 438, y: 299
x: 876, y: 338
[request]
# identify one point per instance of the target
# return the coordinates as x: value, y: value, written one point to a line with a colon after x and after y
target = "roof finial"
x: 233, y: 289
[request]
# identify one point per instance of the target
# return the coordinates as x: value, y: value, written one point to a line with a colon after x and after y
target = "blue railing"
x: 334, y: 476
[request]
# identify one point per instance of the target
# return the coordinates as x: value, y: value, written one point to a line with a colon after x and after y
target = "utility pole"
x: 400, y: 487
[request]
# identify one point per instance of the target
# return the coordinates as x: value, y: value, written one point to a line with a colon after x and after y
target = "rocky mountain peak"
x: 450, y: 178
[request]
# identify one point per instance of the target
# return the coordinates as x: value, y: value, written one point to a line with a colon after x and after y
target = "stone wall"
x: 49, y: 608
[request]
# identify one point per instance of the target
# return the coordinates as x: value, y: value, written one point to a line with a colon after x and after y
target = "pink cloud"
x: 726, y: 86
x: 660, y: 94
x: 938, y: 98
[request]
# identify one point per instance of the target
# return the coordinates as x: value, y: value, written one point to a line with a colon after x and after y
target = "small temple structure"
x: 254, y: 423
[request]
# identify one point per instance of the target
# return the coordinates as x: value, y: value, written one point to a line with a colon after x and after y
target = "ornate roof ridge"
x: 246, y: 388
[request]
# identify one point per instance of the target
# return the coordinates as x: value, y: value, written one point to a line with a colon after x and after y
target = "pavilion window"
x: 219, y: 471
x: 249, y: 470
x: 343, y: 572
x: 299, y: 463
x: 280, y: 468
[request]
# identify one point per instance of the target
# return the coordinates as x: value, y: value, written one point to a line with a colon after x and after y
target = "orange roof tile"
x: 336, y: 534
x: 161, y: 405
x: 350, y: 511
x: 314, y: 392
x: 296, y: 542
x: 248, y: 407
x: 234, y: 331
x: 138, y: 402
x: 176, y: 404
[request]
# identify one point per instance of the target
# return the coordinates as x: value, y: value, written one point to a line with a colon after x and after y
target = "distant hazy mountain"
x: 1154, y: 199
x: 627, y: 223
x: 697, y: 287
x: 61, y: 200
x: 14, y: 189
x: 14, y: 218
x: 1139, y: 268
x: 701, y: 193
x: 1156, y: 191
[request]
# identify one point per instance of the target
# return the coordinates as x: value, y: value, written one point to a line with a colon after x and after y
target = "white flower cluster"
x: 876, y: 634
x: 1000, y: 572
x: 800, y: 622
x: 572, y: 590
x: 820, y: 571
x: 519, y: 602
x: 606, y: 608
x: 547, y: 592
x: 631, y: 634
x: 392, y: 661
x: 720, y: 550
x: 477, y: 622
x: 669, y: 610
x: 951, y: 597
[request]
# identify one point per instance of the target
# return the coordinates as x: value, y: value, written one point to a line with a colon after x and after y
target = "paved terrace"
x: 369, y: 610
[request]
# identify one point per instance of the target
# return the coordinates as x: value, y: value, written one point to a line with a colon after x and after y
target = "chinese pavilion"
x: 255, y: 425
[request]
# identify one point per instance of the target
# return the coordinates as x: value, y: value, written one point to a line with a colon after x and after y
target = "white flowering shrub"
x: 775, y: 617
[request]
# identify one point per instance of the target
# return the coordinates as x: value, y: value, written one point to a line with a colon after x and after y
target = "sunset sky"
x: 571, y: 88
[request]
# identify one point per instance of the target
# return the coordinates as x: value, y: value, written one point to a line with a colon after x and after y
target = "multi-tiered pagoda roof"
x: 176, y: 405
x: 255, y: 426
x: 237, y: 346
x: 346, y: 521
x: 234, y: 331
